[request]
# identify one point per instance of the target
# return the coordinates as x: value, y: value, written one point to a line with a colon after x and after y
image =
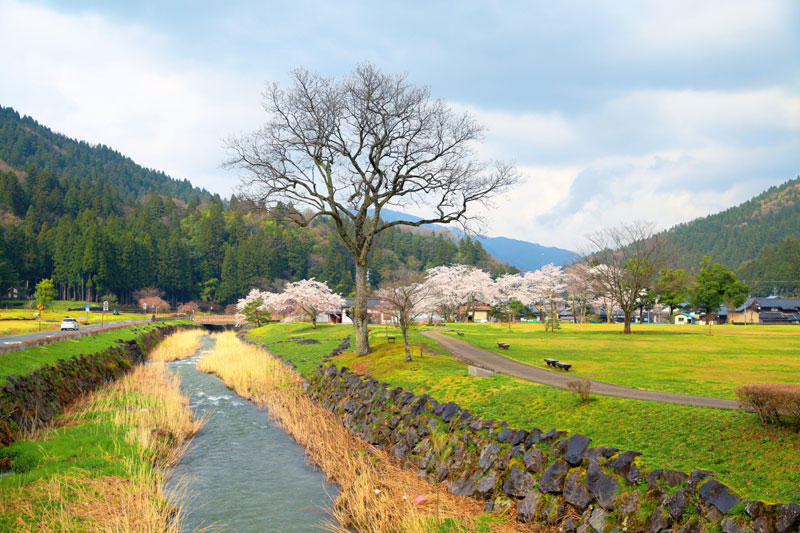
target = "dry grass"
x: 147, y: 408
x: 375, y: 493
x: 178, y: 346
x: 772, y: 400
x: 582, y: 388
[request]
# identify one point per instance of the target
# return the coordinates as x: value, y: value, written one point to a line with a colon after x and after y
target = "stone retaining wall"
x: 31, y: 401
x: 548, y: 476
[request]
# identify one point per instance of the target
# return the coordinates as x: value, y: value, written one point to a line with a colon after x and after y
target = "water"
x: 242, y: 472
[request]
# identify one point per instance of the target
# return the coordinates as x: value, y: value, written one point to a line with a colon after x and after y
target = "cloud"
x: 116, y: 84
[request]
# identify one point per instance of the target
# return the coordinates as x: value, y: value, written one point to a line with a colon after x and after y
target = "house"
x: 376, y: 312
x: 478, y: 312
x: 683, y: 319
x: 769, y: 310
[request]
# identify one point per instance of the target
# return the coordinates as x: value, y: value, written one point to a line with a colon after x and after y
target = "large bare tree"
x: 625, y: 262
x: 348, y: 148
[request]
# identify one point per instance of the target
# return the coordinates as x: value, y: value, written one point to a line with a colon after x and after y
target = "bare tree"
x: 405, y: 302
x: 625, y: 262
x: 345, y: 149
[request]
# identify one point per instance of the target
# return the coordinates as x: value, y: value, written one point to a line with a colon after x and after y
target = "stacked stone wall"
x: 547, y: 476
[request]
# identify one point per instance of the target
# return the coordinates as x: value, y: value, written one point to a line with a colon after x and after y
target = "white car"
x: 69, y: 323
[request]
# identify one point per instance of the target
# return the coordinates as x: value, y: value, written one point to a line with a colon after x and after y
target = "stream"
x: 242, y: 472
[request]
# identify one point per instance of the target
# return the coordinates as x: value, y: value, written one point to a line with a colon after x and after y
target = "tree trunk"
x: 627, y: 322
x: 360, y: 315
x: 405, y: 343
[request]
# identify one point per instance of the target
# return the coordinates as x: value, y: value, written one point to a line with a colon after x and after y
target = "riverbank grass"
x: 179, y: 345
x: 375, y: 494
x: 100, y: 466
x: 759, y: 462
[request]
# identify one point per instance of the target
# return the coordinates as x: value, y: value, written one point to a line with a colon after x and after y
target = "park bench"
x: 390, y: 338
x: 460, y: 333
x: 563, y: 366
x: 550, y: 362
x: 503, y: 345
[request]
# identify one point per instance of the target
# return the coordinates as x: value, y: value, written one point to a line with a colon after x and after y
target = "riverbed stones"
x: 518, y: 483
x: 553, y: 478
x: 576, y: 447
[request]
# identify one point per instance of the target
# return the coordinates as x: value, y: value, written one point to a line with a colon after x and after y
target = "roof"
x: 371, y: 302
x: 784, y: 304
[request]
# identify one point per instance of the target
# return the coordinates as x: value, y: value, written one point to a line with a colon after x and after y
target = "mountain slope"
x: 738, y: 234
x: 522, y: 254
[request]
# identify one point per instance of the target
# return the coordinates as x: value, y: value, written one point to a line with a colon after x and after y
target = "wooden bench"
x: 550, y: 362
x: 563, y: 366
x: 503, y: 345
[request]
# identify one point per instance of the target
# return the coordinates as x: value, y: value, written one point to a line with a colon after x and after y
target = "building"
x: 769, y: 310
x: 683, y: 319
x: 376, y: 312
x: 479, y: 312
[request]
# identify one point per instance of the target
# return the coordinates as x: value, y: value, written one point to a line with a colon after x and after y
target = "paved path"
x: 555, y: 378
x: 15, y: 339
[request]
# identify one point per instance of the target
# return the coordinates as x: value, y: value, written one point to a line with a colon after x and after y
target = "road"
x: 555, y: 378
x: 15, y: 339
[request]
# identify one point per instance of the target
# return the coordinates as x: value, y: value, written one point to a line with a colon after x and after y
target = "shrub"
x: 771, y: 401
x: 161, y: 305
x: 581, y: 388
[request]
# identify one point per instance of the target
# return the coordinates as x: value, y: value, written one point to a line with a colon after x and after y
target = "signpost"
x: 39, y: 315
x: 103, y: 314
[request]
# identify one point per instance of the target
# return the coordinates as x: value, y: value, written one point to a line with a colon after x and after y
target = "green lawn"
x: 682, y: 359
x: 759, y: 462
x: 10, y: 323
x: 25, y: 361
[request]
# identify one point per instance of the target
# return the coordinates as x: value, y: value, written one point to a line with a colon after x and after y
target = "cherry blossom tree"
x: 405, y: 302
x: 579, y: 285
x: 457, y: 288
x: 550, y: 289
x: 258, y: 306
x: 309, y: 297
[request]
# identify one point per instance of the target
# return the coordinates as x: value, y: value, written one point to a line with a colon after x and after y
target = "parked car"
x: 69, y: 323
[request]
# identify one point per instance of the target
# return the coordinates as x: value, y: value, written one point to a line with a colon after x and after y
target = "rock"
x: 598, y: 452
x: 712, y: 492
x: 526, y: 509
x: 576, y: 447
x: 568, y: 525
x: 533, y: 437
x: 575, y: 492
x: 552, y: 435
x: 488, y: 506
x: 788, y: 518
x: 729, y: 525
x: 553, y: 478
x: 518, y: 451
x: 628, y: 504
x: 659, y: 478
x: 519, y: 437
x: 659, y: 520
x: 464, y: 486
x: 451, y: 409
x: 603, y: 487
x: 597, y: 521
x: 625, y: 467
x: 505, y: 435
x: 489, y: 455
x: 676, y: 504
x: 534, y: 460
x: 486, y: 484
x: 552, y: 510
x: 518, y: 483
x: 697, y: 476
x: 559, y: 448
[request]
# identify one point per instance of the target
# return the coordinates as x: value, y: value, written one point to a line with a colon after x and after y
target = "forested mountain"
x: 97, y: 223
x: 741, y: 234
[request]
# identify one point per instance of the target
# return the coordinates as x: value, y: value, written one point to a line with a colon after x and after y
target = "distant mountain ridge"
x: 740, y: 233
x: 522, y: 254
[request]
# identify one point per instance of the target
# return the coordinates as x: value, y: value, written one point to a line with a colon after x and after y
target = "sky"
x: 611, y: 111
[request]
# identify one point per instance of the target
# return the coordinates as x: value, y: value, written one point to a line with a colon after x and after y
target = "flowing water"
x: 241, y: 472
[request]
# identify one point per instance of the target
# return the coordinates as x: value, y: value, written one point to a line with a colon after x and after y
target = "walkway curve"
x: 498, y: 363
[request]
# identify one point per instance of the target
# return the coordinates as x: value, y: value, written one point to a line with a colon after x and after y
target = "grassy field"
x: 100, y: 466
x: 19, y: 320
x: 759, y: 462
x: 27, y: 360
x: 682, y: 359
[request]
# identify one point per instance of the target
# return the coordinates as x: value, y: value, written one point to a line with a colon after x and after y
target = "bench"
x: 503, y: 345
x: 460, y: 333
x: 550, y: 362
x: 390, y: 338
x: 563, y: 366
